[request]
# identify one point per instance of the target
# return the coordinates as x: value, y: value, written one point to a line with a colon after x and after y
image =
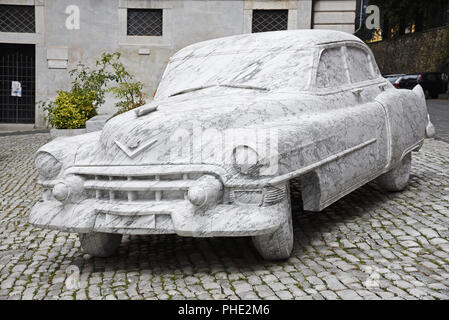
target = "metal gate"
x: 17, y: 71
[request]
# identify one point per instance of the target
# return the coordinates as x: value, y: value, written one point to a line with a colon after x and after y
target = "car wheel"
x: 434, y: 95
x: 278, y: 245
x: 100, y: 244
x: 398, y: 178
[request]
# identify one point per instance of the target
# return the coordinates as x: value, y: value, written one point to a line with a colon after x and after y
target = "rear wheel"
x: 100, y: 244
x: 398, y: 178
x: 278, y: 245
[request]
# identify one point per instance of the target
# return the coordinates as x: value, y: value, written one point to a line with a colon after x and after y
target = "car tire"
x: 101, y: 245
x: 434, y: 95
x: 278, y: 245
x: 397, y: 179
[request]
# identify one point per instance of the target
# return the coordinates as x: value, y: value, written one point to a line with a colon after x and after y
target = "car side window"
x: 360, y: 65
x: 331, y: 69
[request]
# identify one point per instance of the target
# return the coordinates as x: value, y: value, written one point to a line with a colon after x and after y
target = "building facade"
x: 41, y: 40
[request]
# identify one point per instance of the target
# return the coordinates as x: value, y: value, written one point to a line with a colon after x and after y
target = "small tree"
x: 107, y: 69
x: 130, y: 96
x: 71, y: 109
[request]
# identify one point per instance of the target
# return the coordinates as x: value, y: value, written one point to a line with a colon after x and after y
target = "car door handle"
x: 357, y: 91
x: 382, y: 86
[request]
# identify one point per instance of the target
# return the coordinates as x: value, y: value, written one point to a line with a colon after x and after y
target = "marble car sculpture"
x: 333, y: 122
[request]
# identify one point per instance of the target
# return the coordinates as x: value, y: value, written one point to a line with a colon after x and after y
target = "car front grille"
x: 138, y: 188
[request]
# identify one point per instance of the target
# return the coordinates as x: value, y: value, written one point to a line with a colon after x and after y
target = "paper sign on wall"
x: 16, y: 89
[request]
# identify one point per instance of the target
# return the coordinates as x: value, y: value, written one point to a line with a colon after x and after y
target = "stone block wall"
x: 413, y: 53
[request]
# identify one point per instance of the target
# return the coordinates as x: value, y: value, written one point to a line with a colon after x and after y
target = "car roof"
x: 410, y: 76
x: 266, y: 41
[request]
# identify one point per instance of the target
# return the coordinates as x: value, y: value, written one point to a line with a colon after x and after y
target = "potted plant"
x: 70, y: 110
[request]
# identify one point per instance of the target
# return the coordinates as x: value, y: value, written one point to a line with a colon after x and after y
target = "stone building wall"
x: 413, y: 53
x: 103, y: 27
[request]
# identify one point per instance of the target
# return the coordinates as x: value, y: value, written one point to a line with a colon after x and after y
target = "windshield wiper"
x: 192, y: 90
x: 236, y: 86
x: 244, y: 86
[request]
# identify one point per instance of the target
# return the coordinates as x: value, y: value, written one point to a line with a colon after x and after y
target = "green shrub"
x: 107, y: 69
x: 71, y: 109
x: 130, y: 96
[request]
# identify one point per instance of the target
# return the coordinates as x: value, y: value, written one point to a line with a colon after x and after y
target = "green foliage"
x: 107, y: 69
x: 130, y: 96
x: 71, y: 109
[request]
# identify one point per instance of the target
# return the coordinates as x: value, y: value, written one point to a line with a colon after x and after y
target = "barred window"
x: 14, y: 18
x: 145, y: 22
x: 270, y: 20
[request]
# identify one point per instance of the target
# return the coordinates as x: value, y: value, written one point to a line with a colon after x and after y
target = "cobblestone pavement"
x: 439, y: 114
x: 370, y: 245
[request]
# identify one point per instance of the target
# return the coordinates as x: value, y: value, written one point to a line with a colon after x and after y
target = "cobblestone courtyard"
x: 370, y: 245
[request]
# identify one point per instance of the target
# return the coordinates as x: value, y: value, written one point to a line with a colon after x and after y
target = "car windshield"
x: 256, y: 70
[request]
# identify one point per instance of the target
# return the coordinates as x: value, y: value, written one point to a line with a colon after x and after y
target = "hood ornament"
x: 133, y: 143
x: 144, y: 111
x: 133, y: 149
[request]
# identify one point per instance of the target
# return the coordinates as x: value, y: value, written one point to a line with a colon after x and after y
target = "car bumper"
x: 170, y: 217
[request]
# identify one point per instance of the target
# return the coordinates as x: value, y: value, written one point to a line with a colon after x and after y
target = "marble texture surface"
x: 97, y: 123
x: 314, y: 99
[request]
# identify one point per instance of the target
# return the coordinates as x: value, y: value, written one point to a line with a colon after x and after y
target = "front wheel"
x: 278, y: 245
x: 397, y: 179
x: 101, y: 245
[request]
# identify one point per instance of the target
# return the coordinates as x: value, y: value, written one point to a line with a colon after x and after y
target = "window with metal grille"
x: 270, y: 20
x: 17, y: 19
x: 144, y: 22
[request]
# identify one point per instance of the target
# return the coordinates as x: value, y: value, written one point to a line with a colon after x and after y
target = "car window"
x: 265, y: 69
x: 331, y: 69
x: 431, y: 77
x: 359, y: 65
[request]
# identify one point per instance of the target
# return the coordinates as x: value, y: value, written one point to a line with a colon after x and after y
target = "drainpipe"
x: 312, y: 19
x: 362, y: 2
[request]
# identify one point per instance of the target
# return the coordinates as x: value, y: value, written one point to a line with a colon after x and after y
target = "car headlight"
x: 61, y: 191
x: 206, y: 192
x: 47, y: 165
x: 246, y: 161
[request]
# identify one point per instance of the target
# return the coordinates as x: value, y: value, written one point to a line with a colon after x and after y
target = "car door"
x: 353, y: 128
x: 367, y: 84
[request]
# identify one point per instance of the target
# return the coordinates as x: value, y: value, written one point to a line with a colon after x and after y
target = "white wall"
x: 334, y: 14
x: 103, y: 28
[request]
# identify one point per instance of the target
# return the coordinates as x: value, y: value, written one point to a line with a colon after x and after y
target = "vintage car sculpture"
x: 308, y: 108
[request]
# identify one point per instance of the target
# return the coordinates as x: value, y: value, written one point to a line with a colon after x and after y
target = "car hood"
x: 162, y: 137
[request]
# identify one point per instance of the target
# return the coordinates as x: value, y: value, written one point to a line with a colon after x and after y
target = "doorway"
x: 17, y: 83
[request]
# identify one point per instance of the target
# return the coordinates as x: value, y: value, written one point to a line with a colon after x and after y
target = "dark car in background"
x: 393, y: 77
x: 433, y: 83
x: 407, y: 82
